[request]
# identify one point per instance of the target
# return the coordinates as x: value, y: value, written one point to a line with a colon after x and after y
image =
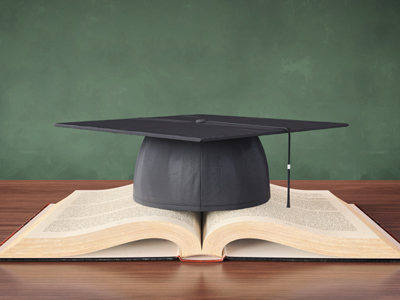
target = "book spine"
x: 182, y: 259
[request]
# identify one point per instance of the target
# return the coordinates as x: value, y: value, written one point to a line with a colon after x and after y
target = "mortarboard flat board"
x: 202, y: 162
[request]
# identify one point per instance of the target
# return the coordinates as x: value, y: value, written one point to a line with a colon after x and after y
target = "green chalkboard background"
x: 80, y: 60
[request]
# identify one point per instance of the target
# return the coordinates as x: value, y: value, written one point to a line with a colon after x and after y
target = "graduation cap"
x: 202, y: 162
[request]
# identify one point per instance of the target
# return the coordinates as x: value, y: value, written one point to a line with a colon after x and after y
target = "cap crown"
x: 222, y: 175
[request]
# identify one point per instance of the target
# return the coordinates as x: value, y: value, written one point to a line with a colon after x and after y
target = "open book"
x: 108, y: 224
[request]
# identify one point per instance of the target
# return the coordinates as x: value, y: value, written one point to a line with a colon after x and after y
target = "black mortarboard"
x: 202, y: 162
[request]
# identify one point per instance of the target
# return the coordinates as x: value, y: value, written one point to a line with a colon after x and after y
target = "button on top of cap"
x: 201, y: 120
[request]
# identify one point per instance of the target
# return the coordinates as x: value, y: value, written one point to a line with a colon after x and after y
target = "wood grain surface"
x: 19, y: 200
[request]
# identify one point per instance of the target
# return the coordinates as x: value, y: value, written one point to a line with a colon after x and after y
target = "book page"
x: 89, y: 211
x: 143, y: 248
x: 313, y: 211
x: 24, y: 228
x: 266, y: 249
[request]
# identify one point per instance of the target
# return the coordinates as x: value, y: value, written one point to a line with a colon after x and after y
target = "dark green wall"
x: 83, y: 60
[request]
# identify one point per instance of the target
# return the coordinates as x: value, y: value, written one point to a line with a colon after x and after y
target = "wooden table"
x: 19, y: 200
